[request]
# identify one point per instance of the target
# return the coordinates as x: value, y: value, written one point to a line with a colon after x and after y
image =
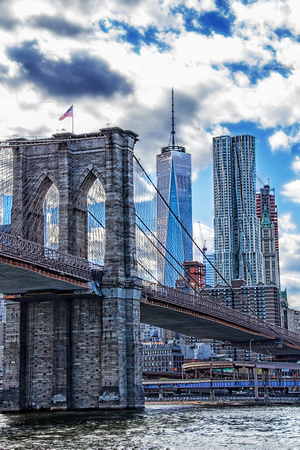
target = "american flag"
x: 68, y: 113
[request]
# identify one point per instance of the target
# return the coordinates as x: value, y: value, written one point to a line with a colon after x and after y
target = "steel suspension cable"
x: 173, y: 257
x: 216, y: 270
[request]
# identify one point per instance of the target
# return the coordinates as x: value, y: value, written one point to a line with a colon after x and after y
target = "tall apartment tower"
x: 236, y: 225
x: 173, y: 170
x: 266, y: 210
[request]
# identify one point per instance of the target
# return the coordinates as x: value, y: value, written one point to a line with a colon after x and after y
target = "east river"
x: 156, y: 427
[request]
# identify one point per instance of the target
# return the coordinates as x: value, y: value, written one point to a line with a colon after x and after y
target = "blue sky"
x: 234, y: 66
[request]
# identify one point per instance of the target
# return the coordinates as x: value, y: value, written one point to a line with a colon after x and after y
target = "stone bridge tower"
x: 82, y: 352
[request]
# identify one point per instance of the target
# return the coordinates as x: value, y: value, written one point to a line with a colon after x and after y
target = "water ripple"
x: 157, y: 427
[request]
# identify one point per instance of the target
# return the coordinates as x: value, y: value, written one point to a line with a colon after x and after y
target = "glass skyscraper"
x: 236, y: 225
x: 173, y: 170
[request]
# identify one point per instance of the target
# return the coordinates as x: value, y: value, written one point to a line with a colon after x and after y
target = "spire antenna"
x: 173, y: 122
x: 173, y: 143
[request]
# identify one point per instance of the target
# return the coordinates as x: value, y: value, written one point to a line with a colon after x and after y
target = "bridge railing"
x: 209, y: 307
x: 27, y: 251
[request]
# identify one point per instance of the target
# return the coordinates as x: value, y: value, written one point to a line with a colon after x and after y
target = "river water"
x: 156, y: 427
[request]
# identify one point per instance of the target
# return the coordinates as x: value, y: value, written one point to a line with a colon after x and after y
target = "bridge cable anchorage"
x: 270, y: 326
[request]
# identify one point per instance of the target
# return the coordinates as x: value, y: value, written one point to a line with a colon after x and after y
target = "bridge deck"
x: 196, y: 316
x: 27, y: 266
x: 20, y: 278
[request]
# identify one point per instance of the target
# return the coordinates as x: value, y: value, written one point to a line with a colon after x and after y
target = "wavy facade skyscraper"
x: 236, y: 225
x: 173, y: 170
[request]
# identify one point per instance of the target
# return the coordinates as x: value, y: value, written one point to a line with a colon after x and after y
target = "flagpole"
x: 73, y: 121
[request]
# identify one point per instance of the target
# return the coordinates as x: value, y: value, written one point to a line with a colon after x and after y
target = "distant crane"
x: 260, y: 180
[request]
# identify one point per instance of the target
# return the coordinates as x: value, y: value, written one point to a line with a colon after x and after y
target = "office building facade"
x: 236, y: 225
x: 261, y: 300
x: 266, y: 210
x: 173, y: 170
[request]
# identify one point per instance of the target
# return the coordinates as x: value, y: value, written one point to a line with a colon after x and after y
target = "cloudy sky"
x: 234, y: 66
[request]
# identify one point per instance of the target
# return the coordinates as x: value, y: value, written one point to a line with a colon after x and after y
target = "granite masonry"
x: 78, y: 353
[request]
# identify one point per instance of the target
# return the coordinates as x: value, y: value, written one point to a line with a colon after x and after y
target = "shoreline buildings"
x: 173, y: 169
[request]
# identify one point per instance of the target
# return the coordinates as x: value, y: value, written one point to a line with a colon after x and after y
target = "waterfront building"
x: 2, y: 308
x: 163, y: 358
x: 266, y: 210
x: 290, y: 319
x: 198, y: 351
x: 236, y: 225
x: 173, y: 169
x: 151, y: 333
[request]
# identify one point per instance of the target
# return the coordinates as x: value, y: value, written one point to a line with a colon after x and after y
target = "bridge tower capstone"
x: 83, y: 352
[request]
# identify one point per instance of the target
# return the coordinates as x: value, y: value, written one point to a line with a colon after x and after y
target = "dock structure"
x: 238, y: 380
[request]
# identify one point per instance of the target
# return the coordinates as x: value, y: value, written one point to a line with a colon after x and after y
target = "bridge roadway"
x: 30, y: 271
x: 27, y: 267
x: 201, y: 317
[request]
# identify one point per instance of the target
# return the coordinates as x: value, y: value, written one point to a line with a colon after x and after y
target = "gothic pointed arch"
x: 35, y: 229
x: 51, y: 218
x: 90, y: 217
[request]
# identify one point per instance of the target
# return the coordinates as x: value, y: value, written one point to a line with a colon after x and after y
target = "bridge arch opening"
x: 34, y: 228
x: 96, y: 222
x: 51, y: 218
x: 6, y: 189
x: 90, y: 236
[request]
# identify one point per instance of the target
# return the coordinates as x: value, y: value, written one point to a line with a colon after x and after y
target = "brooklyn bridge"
x: 78, y: 269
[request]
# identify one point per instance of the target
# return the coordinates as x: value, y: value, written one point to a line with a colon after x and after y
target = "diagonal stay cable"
x: 95, y: 218
x: 149, y: 273
x: 161, y: 253
x: 216, y: 270
x: 173, y: 257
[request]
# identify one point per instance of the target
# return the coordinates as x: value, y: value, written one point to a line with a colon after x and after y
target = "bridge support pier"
x: 83, y: 353
x: 73, y: 354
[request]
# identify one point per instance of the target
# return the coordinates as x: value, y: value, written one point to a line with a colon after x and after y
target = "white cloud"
x: 296, y: 165
x: 285, y: 222
x: 292, y: 280
x: 289, y: 252
x: 283, y: 141
x: 279, y: 140
x: 268, y: 14
x: 292, y: 191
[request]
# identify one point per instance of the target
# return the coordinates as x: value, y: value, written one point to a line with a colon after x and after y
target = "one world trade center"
x: 173, y: 169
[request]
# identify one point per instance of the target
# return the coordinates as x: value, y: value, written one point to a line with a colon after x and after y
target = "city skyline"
x: 233, y: 63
